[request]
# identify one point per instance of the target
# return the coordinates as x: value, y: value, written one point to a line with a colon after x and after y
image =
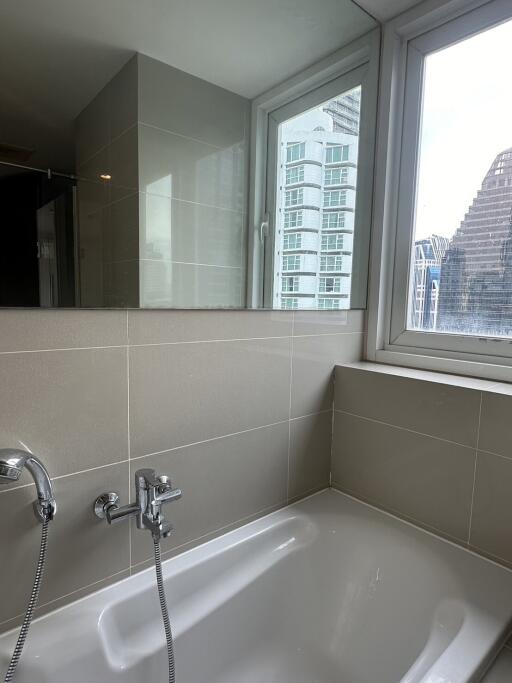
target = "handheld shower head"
x: 12, y: 463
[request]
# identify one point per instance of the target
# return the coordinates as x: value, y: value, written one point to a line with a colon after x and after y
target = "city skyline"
x: 464, y: 284
x: 465, y: 124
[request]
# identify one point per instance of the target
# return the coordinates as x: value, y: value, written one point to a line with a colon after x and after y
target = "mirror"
x: 125, y: 134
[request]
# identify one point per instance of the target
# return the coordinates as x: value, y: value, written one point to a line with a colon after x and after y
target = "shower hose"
x: 165, y: 613
x: 9, y: 676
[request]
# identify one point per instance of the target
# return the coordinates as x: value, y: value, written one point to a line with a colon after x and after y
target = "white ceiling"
x: 57, y: 54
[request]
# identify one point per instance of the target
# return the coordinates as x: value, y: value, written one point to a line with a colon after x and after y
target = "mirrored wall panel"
x: 125, y: 135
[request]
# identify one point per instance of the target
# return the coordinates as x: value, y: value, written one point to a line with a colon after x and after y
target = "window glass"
x: 295, y: 174
x: 295, y: 151
x: 291, y: 262
x: 292, y: 241
x: 292, y: 219
x: 461, y: 268
x: 332, y: 220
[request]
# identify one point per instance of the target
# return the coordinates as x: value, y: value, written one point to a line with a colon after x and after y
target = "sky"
x: 467, y: 121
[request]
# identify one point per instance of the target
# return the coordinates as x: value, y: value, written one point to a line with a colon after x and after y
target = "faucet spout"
x: 12, y: 463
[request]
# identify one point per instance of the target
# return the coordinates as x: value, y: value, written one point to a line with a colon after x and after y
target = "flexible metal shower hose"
x: 165, y: 613
x: 31, y: 605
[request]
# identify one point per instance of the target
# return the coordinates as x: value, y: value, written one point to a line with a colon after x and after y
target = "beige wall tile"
x: 328, y: 322
x: 124, y: 164
x: 81, y: 548
x: 222, y: 481
x: 313, y: 364
x: 428, y: 480
x: 169, y: 98
x: 495, y: 423
x: 197, y: 286
x: 154, y: 327
x: 198, y: 234
x: 184, y: 393
x: 310, y: 453
x: 491, y: 530
x: 123, y: 92
x: 431, y: 408
x: 31, y: 330
x: 178, y: 167
x: 68, y: 407
x: 121, y: 230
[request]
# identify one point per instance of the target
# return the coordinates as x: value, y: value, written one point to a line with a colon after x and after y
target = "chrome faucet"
x: 12, y: 463
x: 151, y: 493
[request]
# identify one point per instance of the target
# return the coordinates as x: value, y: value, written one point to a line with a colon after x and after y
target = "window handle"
x: 264, y: 227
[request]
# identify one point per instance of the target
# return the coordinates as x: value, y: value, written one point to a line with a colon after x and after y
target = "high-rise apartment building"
x: 428, y: 254
x: 315, y: 206
x: 476, y: 274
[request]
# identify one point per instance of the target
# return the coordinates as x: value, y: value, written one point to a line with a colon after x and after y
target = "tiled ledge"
x: 430, y: 376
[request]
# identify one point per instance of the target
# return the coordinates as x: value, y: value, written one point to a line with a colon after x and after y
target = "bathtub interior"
x: 325, y: 591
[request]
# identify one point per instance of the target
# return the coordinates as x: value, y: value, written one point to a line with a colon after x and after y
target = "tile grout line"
x: 404, y: 429
x: 213, y: 438
x: 175, y: 343
x: 475, y: 467
x: 128, y: 440
x: 290, y: 412
x: 331, y: 460
x: 167, y: 450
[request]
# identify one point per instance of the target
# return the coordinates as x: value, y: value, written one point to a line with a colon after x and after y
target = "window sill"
x: 426, y: 375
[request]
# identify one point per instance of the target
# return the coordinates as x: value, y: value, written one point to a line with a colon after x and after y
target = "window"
x: 445, y: 300
x: 292, y: 241
x: 295, y: 174
x: 295, y: 151
x: 330, y: 284
x: 328, y: 304
x: 334, y: 154
x: 290, y: 284
x: 335, y: 198
x: 332, y: 242
x: 333, y: 220
x: 336, y: 176
x: 291, y: 262
x: 290, y: 303
x: 326, y: 121
x: 294, y: 197
x: 330, y: 263
x: 293, y: 219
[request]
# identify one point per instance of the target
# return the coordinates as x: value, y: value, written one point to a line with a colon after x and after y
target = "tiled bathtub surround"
x: 432, y: 448
x: 235, y: 405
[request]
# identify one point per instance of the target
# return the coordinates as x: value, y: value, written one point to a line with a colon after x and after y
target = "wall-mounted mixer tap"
x: 151, y: 493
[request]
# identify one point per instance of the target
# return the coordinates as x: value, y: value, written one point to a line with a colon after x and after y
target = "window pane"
x: 461, y: 273
x: 314, y: 214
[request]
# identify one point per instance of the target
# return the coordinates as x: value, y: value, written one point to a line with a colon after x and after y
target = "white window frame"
x: 341, y: 160
x: 325, y: 220
x: 432, y: 25
x: 302, y: 151
x: 299, y: 213
x: 287, y: 258
x: 295, y: 284
x: 336, y: 237
x: 353, y: 65
x: 294, y: 171
x: 292, y: 237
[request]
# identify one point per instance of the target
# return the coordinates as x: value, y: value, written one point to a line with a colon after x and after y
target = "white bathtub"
x: 327, y: 590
